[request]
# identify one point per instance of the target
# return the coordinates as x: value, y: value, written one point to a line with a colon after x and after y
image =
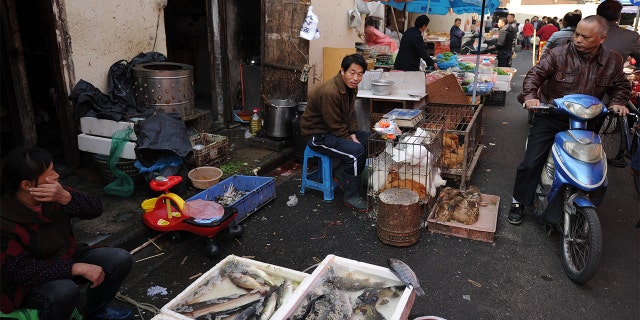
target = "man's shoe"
x: 109, y: 313
x: 516, y: 213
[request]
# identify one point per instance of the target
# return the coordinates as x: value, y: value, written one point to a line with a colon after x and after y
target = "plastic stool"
x: 320, y: 179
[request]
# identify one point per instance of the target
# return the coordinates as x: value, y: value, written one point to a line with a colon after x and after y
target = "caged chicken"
x: 455, y: 205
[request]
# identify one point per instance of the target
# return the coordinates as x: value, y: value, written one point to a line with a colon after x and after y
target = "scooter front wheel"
x: 582, y: 245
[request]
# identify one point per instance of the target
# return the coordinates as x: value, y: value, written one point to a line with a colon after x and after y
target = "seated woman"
x: 373, y: 36
x: 42, y: 265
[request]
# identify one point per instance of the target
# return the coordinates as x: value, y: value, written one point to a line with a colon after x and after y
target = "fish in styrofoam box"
x: 338, y: 286
x: 233, y: 282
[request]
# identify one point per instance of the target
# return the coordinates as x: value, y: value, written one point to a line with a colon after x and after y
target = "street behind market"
x: 518, y: 276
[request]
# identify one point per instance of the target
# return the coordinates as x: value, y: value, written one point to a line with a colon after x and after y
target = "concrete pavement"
x: 519, y: 276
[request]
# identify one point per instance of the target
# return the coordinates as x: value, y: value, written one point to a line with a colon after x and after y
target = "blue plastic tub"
x: 261, y: 190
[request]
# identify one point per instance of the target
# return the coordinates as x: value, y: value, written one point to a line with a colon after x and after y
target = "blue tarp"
x: 441, y: 7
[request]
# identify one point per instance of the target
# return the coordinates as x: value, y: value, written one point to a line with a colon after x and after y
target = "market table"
x: 409, y: 92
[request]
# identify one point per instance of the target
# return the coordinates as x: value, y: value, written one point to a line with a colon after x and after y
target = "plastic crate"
x: 461, y: 139
x: 496, y: 98
x: 260, y: 191
x: 214, y: 150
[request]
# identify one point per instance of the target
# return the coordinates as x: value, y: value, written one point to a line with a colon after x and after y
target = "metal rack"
x: 409, y: 162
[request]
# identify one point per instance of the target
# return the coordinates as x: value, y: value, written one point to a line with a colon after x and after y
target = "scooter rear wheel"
x: 582, y: 245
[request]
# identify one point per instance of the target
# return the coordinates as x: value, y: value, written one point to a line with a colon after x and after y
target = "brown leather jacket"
x: 564, y: 71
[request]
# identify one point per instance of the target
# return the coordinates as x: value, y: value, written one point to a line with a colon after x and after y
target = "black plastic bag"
x: 120, y: 78
x: 120, y: 83
x: 159, y: 135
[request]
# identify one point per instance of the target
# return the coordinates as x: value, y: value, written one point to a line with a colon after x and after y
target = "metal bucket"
x: 165, y: 86
x: 398, y: 217
x: 278, y: 118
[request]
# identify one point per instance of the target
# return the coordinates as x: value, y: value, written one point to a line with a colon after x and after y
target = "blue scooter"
x: 572, y: 185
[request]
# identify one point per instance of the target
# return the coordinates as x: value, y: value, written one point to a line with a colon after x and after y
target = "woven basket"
x: 126, y: 165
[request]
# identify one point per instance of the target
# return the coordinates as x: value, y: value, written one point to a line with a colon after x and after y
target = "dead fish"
x: 250, y: 312
x: 284, y: 292
x: 260, y: 274
x: 369, y: 312
x: 406, y: 275
x: 201, y: 304
x: 226, y: 307
x: 244, y: 281
x: 269, y: 307
x: 307, y: 309
x: 379, y: 297
x: 351, y: 283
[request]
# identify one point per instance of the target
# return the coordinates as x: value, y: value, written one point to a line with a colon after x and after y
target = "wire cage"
x: 460, y: 140
x: 412, y: 161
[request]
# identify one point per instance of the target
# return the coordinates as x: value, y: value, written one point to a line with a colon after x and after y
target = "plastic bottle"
x: 255, y: 124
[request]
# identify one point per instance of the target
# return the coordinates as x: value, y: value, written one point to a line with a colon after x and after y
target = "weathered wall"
x: 334, y: 32
x: 103, y: 32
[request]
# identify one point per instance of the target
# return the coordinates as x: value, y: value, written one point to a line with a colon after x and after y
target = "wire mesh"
x: 461, y: 137
x: 412, y: 161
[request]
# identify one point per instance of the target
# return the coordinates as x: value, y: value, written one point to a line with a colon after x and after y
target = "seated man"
x: 329, y: 126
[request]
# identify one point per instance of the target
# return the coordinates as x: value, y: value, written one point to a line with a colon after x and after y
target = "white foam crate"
x: 101, y: 145
x: 104, y: 127
x: 196, y: 292
x: 400, y: 310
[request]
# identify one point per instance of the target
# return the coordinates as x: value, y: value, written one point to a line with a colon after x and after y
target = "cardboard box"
x: 397, y: 308
x: 260, y: 191
x: 446, y: 90
x: 483, y: 230
x: 214, y: 284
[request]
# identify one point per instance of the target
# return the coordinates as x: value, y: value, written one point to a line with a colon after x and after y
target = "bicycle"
x: 620, y: 139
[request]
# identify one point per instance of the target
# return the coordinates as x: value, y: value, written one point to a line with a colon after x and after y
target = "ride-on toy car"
x: 166, y: 214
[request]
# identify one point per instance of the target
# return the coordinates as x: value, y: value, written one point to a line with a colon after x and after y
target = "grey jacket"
x: 623, y: 41
x: 558, y: 38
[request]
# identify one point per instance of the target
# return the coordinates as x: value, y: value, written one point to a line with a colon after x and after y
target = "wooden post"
x: 399, y: 217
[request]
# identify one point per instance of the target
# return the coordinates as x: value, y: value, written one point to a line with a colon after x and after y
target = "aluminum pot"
x: 381, y: 87
x: 278, y: 117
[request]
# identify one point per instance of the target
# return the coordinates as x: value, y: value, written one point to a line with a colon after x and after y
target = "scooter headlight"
x: 583, y: 112
x: 590, y: 153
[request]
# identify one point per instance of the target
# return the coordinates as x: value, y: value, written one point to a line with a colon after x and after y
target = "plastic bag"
x: 354, y: 19
x: 203, y: 209
x: 123, y: 185
x: 309, y: 29
x: 362, y: 6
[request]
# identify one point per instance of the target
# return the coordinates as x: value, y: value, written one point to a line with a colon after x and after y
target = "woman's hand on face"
x: 91, y: 272
x: 51, y: 191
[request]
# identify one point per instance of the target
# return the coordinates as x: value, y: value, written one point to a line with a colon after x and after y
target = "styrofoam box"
x: 104, y: 127
x: 505, y: 78
x: 161, y: 316
x: 197, y: 291
x: 101, y: 145
x: 502, y: 86
x: 396, y: 309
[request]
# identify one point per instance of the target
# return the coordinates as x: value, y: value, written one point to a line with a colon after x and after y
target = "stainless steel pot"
x: 278, y: 117
x: 381, y: 87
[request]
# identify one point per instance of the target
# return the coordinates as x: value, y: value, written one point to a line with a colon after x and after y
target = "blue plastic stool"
x: 319, y: 179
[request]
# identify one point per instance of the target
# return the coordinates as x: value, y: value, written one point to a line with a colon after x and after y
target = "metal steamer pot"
x: 277, y: 117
